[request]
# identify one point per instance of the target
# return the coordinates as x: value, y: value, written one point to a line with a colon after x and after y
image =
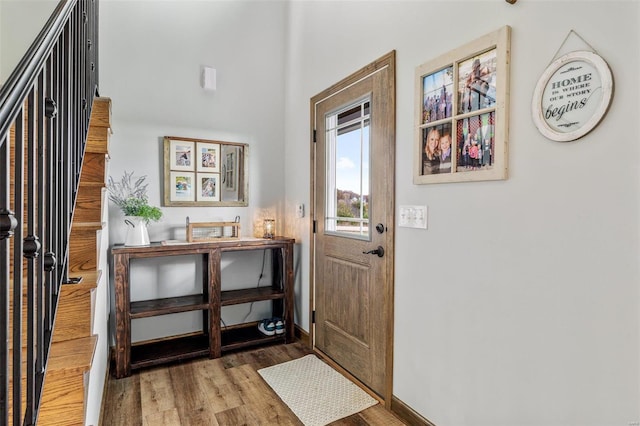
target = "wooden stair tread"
x: 98, y: 140
x: 92, y: 184
x: 101, y: 112
x: 88, y: 226
x: 94, y: 168
x: 72, y: 355
x: 86, y: 284
x: 74, y: 316
x: 90, y: 279
x: 99, y: 127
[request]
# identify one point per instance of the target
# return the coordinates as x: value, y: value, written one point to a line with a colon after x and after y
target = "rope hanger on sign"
x: 565, y: 44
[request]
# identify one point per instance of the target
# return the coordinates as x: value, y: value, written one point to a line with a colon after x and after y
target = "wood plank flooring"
x: 224, y: 391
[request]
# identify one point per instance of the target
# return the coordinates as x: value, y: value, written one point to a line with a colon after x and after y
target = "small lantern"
x: 269, y: 228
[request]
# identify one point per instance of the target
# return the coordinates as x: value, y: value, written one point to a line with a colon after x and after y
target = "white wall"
x: 520, y: 304
x: 20, y: 23
x: 150, y: 59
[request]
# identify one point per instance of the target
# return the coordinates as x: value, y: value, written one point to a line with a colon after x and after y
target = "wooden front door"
x: 353, y: 209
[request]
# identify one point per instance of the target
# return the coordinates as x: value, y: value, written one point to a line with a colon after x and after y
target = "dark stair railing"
x: 47, y: 102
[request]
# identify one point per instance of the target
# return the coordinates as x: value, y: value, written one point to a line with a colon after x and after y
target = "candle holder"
x: 269, y: 228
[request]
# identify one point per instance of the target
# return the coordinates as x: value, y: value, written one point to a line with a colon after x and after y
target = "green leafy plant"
x: 131, y: 196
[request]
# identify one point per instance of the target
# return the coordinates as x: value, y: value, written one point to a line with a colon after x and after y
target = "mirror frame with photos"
x: 205, y: 173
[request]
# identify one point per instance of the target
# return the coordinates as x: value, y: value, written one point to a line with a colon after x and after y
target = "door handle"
x: 379, y: 251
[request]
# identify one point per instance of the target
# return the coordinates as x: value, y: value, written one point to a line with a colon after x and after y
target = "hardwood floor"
x: 223, y: 391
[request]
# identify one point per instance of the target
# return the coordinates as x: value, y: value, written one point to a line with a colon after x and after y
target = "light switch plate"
x: 413, y: 217
x: 208, y: 78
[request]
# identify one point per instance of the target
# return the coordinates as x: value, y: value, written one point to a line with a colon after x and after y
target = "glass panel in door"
x: 347, y: 155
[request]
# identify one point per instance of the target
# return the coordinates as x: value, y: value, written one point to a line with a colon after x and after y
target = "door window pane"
x: 347, y: 154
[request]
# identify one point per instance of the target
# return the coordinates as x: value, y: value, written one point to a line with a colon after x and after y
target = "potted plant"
x: 131, y: 196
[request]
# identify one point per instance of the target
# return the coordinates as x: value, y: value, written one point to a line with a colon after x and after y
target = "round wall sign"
x: 572, y: 96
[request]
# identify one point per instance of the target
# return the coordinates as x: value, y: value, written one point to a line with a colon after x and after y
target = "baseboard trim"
x: 302, y: 335
x: 408, y: 414
x: 105, y: 387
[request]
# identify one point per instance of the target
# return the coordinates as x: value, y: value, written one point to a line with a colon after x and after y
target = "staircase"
x: 76, y: 330
x: 66, y: 390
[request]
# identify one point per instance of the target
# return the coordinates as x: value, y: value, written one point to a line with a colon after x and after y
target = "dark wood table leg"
x: 123, y: 320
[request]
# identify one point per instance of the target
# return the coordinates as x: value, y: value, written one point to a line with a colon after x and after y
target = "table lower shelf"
x: 245, y: 335
x: 179, y: 348
x: 147, y: 354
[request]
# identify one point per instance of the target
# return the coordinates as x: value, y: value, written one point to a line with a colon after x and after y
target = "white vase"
x: 137, y: 233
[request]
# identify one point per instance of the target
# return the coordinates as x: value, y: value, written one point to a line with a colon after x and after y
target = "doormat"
x: 314, y: 391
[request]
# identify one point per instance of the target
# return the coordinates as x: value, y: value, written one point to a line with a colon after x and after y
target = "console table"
x: 213, y: 339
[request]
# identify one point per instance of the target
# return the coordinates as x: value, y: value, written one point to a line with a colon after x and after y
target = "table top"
x: 202, y: 246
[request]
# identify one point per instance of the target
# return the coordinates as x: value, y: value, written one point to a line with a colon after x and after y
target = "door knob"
x: 379, y: 251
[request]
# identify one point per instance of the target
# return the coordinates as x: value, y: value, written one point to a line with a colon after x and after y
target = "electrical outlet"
x: 300, y: 210
x: 413, y: 217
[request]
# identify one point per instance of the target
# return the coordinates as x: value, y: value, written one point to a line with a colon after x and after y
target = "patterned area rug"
x: 315, y: 392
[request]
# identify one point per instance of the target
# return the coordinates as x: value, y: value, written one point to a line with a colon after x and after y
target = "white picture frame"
x: 182, y: 155
x: 462, y: 112
x: 208, y: 187
x: 182, y: 186
x: 208, y: 157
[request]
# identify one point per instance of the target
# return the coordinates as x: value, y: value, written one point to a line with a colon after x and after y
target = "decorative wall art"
x: 461, y: 116
x: 182, y: 186
x: 208, y: 157
x: 572, y: 96
x: 199, y: 172
x: 182, y: 156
